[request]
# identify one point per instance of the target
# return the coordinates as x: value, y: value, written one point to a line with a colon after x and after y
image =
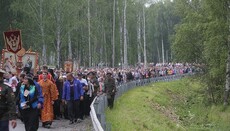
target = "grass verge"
x: 177, y: 105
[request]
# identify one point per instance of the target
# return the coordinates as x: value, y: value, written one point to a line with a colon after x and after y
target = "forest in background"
x: 127, y: 32
x: 98, y: 30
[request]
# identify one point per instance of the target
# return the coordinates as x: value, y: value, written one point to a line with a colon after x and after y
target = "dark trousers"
x: 4, y: 125
x: 110, y: 101
x: 56, y: 108
x: 87, y: 103
x: 73, y: 109
x: 65, y: 111
x: 31, y: 119
x: 81, y: 107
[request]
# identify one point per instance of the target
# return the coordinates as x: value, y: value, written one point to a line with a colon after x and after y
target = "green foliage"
x: 201, y: 37
x: 178, y: 105
x: 7, y: 18
x: 160, y: 25
x: 192, y: 30
x: 26, y: 15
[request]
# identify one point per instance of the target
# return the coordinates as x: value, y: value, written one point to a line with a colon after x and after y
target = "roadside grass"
x: 165, y: 106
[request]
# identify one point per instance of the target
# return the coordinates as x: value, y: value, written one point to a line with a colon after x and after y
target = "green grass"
x: 177, y: 105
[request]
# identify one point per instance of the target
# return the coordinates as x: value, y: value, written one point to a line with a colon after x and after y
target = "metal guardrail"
x: 99, y: 103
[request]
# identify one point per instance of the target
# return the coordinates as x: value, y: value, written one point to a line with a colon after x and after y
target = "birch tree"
x: 139, y: 38
x: 42, y: 32
x: 113, y: 38
x: 58, y: 32
x: 89, y: 34
x: 145, y: 57
x: 34, y: 10
x: 227, y: 82
x: 163, y: 51
x: 69, y: 46
x: 120, y: 32
x: 125, y: 37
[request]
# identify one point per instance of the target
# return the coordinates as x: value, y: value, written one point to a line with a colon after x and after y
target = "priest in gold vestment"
x: 50, y: 94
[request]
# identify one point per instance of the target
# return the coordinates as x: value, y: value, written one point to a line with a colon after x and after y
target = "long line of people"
x: 53, y: 94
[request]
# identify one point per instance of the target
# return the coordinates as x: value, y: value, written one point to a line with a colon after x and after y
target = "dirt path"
x: 61, y: 125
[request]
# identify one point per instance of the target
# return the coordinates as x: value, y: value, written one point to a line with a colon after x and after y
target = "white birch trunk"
x: 163, y: 52
x: 145, y: 54
x: 51, y: 58
x: 44, y: 57
x: 54, y: 57
x: 75, y: 65
x: 89, y: 33
x: 121, y: 32
x: 139, y: 38
x: 113, y: 38
x: 227, y: 83
x: 158, y: 53
x: 44, y: 60
x: 125, y: 37
x: 58, y: 35
x: 162, y: 44
x: 69, y: 47
x: 102, y: 58
x: 106, y: 56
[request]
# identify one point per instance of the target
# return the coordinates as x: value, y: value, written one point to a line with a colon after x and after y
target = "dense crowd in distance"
x: 55, y: 94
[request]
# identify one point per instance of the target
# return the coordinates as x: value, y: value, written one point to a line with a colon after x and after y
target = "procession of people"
x: 56, y: 94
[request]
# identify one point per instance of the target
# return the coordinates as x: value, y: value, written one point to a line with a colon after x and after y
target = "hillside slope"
x: 177, y: 105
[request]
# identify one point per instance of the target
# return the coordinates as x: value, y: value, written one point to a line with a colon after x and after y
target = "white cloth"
x: 13, y: 78
x: 84, y: 81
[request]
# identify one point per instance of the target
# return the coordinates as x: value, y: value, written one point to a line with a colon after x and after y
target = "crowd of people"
x: 55, y: 94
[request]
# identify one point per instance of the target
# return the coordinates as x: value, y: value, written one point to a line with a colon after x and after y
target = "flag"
x: 13, y: 40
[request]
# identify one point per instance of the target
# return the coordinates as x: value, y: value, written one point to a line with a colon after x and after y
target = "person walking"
x: 93, y: 85
x: 72, y: 94
x: 93, y: 88
x: 49, y: 91
x: 21, y: 78
x: 110, y: 89
x: 30, y: 102
x: 49, y: 76
x: 83, y: 103
x: 7, y: 105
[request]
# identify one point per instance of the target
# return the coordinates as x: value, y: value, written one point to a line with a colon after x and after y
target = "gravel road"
x: 60, y: 125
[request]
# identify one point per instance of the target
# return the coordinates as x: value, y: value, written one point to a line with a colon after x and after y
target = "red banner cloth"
x: 13, y: 40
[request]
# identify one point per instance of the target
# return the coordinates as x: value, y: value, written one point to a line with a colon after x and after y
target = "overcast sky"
x: 150, y: 2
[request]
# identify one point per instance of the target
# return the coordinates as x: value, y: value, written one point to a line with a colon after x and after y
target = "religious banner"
x: 68, y: 66
x: 14, y: 63
x: 13, y: 40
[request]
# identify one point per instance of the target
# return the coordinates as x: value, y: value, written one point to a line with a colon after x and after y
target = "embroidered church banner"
x: 13, y: 40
